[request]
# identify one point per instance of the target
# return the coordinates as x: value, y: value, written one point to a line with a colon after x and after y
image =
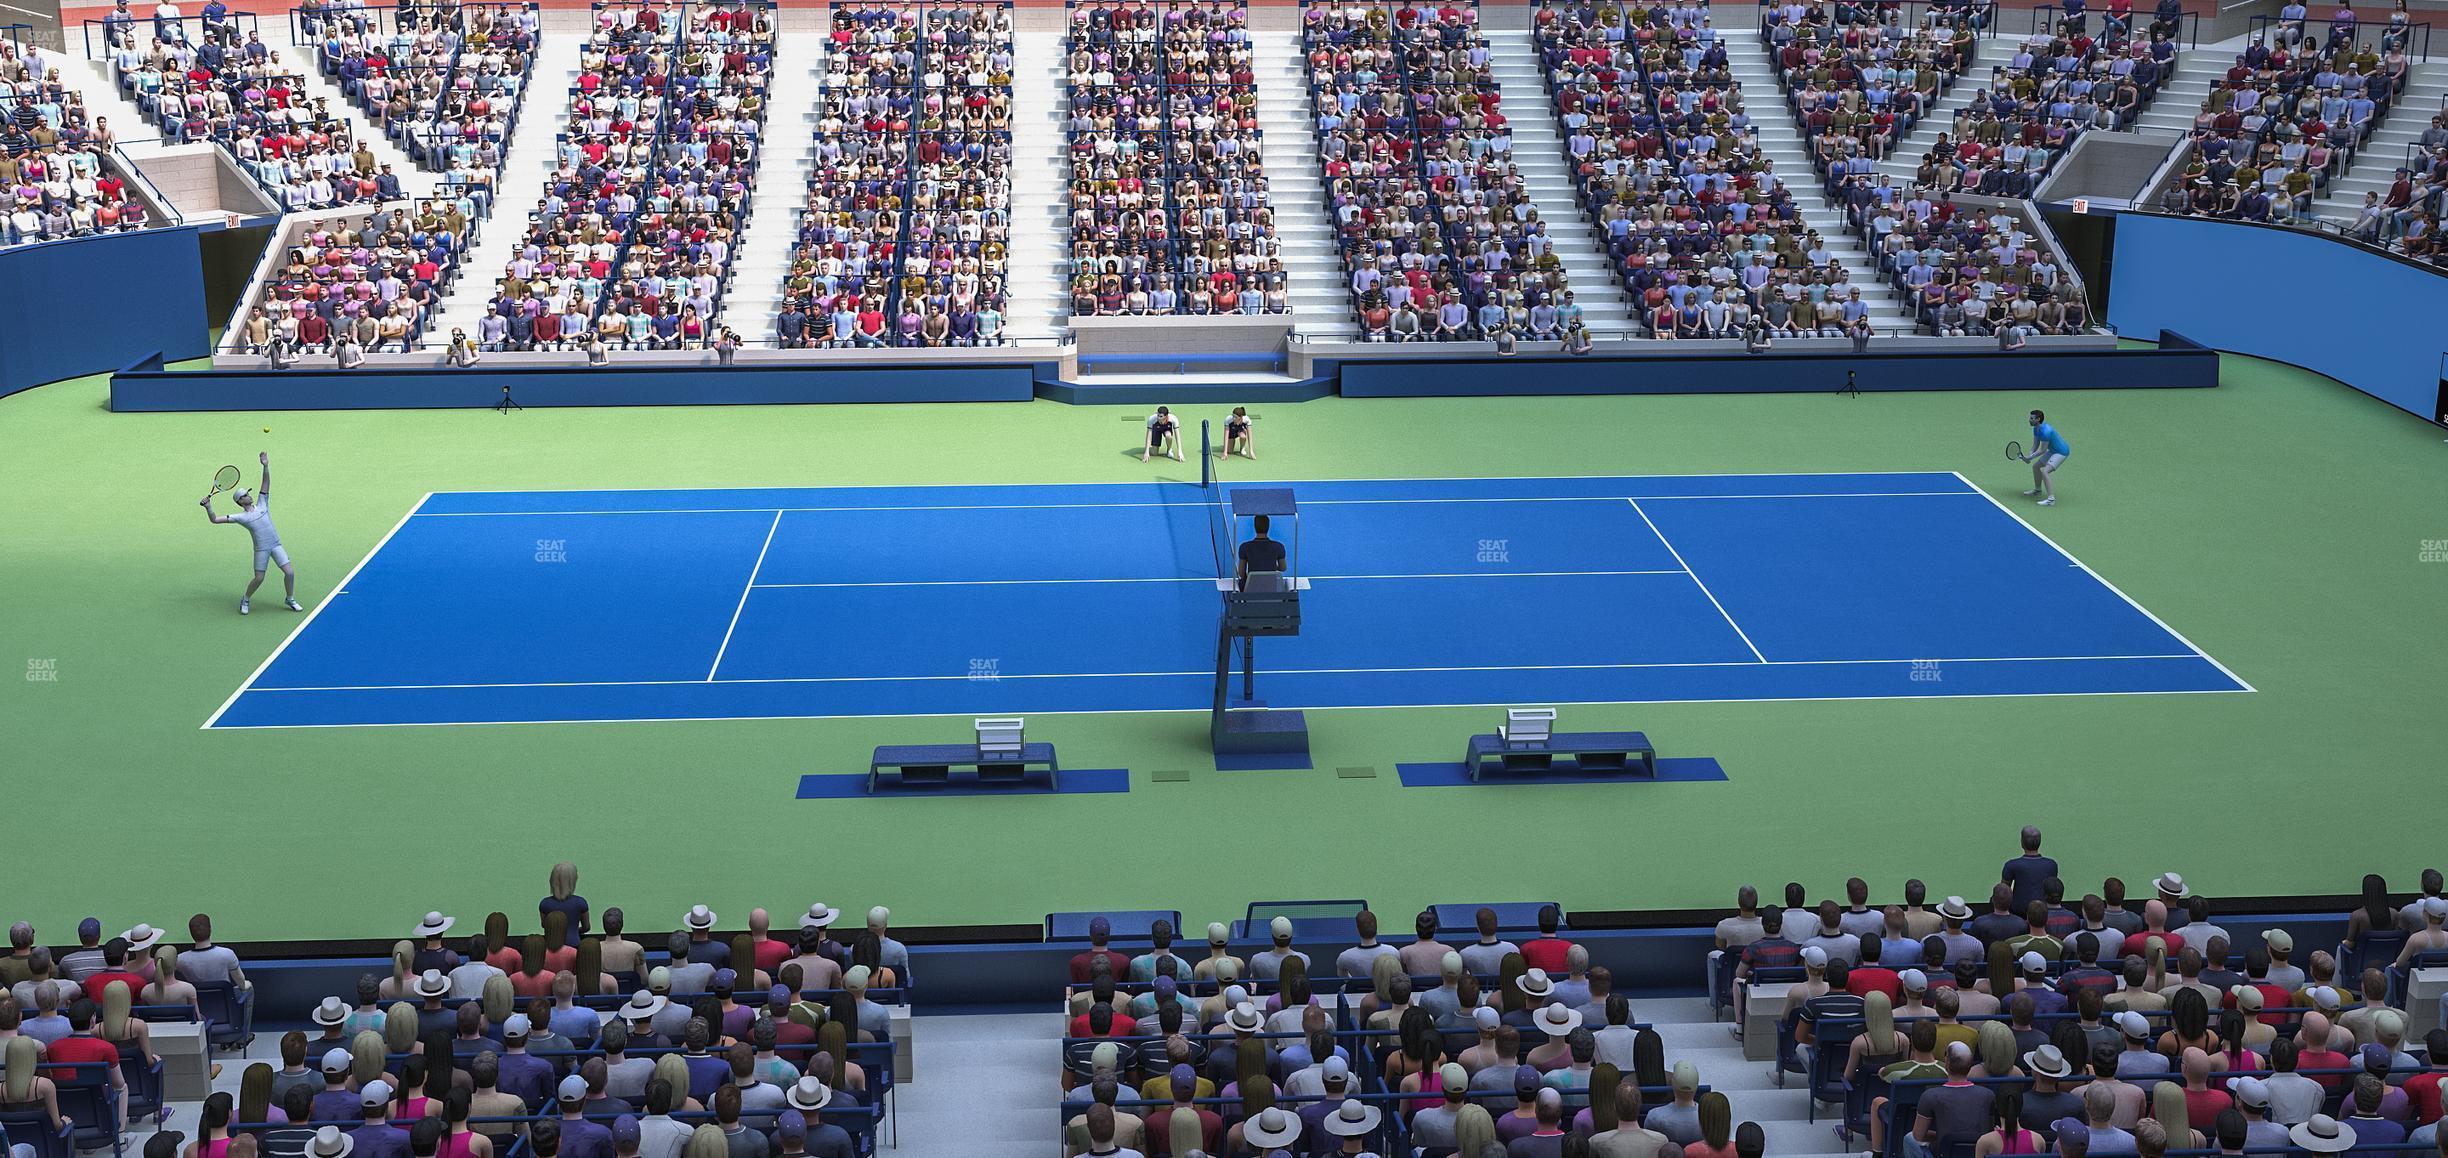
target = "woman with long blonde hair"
x: 23, y: 1088
x: 1474, y: 1129
x: 397, y: 987
x: 166, y: 988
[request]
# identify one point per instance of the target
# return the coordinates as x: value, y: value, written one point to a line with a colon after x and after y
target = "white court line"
x: 2103, y: 581
x: 1201, y: 579
x: 1695, y: 578
x: 745, y: 592
x: 1128, y: 506
x: 300, y: 629
x: 1270, y: 482
x: 1203, y: 711
x: 1209, y: 672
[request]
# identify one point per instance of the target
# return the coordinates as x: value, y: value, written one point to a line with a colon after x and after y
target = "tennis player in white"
x: 255, y: 514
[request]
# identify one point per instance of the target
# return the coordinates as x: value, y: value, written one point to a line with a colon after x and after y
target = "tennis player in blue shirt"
x: 2048, y: 452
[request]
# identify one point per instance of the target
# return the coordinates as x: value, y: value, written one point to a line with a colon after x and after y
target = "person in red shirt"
x: 1869, y: 977
x: 1548, y: 951
x: 2154, y: 924
x: 2312, y: 1051
x: 1083, y: 964
x: 2423, y: 1090
x: 769, y: 954
x: 114, y: 968
x: 82, y: 1047
x: 2202, y: 1103
x: 1102, y: 1020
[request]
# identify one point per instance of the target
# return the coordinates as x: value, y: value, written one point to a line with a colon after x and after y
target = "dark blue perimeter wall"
x: 95, y: 304
x: 317, y: 385
x: 2362, y: 317
x: 1776, y: 373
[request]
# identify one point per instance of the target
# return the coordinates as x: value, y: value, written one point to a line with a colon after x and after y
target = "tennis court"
x: 542, y: 606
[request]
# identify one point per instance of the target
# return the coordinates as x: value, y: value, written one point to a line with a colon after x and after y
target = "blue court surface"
x: 523, y: 607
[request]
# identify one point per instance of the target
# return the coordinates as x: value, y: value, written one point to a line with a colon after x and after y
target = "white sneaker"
x: 244, y: 606
x: 2048, y: 502
x: 293, y: 605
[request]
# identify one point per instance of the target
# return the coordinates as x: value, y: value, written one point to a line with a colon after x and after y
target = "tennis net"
x: 1219, y: 512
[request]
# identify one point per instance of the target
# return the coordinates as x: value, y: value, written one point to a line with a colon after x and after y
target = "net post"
x: 1206, y: 459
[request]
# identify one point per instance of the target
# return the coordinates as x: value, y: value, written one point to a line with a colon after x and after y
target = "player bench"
x: 924, y: 765
x: 1597, y: 753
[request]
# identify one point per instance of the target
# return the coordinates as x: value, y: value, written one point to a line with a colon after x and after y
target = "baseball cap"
x: 337, y: 1061
x: 1217, y: 934
x: 573, y: 1089
x: 2279, y: 940
x: 1814, y: 957
x: 2250, y: 1091
x: 1453, y: 1076
x: 1914, y: 980
x: 1280, y: 927
x: 375, y: 1093
x: 1335, y: 1070
x: 1486, y: 1018
x: 1525, y: 1081
x: 517, y: 1026
x: 2133, y: 1025
x: 625, y: 1128
x: 2034, y: 963
x: 791, y: 1125
x: 89, y: 927
x: 1686, y: 1076
x: 1099, y: 927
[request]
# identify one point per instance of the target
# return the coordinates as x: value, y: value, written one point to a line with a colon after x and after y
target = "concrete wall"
x: 201, y: 181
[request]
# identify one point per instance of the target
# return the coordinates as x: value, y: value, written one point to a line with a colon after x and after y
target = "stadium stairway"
x: 2180, y: 99
x: 1538, y: 151
x: 1781, y: 143
x: 1905, y: 159
x: 1321, y: 297
x: 525, y: 164
x: 415, y: 180
x: 1038, y: 286
x: 140, y: 139
x: 780, y: 196
x: 2375, y: 167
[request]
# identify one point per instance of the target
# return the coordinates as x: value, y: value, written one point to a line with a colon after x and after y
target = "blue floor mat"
x: 853, y: 786
x: 1670, y: 770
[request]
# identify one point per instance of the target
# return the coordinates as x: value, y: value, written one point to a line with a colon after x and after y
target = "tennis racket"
x: 2014, y: 450
x: 225, y: 479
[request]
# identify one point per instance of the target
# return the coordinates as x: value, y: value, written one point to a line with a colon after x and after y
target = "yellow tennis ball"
x: 267, y: 430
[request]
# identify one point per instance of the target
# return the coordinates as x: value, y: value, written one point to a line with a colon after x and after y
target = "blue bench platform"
x: 927, y: 764
x: 1597, y: 753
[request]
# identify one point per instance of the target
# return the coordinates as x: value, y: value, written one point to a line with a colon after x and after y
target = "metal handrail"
x: 2416, y: 35
x: 2044, y: 18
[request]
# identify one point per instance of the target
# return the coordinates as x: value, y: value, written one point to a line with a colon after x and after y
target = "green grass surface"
x: 2276, y: 522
